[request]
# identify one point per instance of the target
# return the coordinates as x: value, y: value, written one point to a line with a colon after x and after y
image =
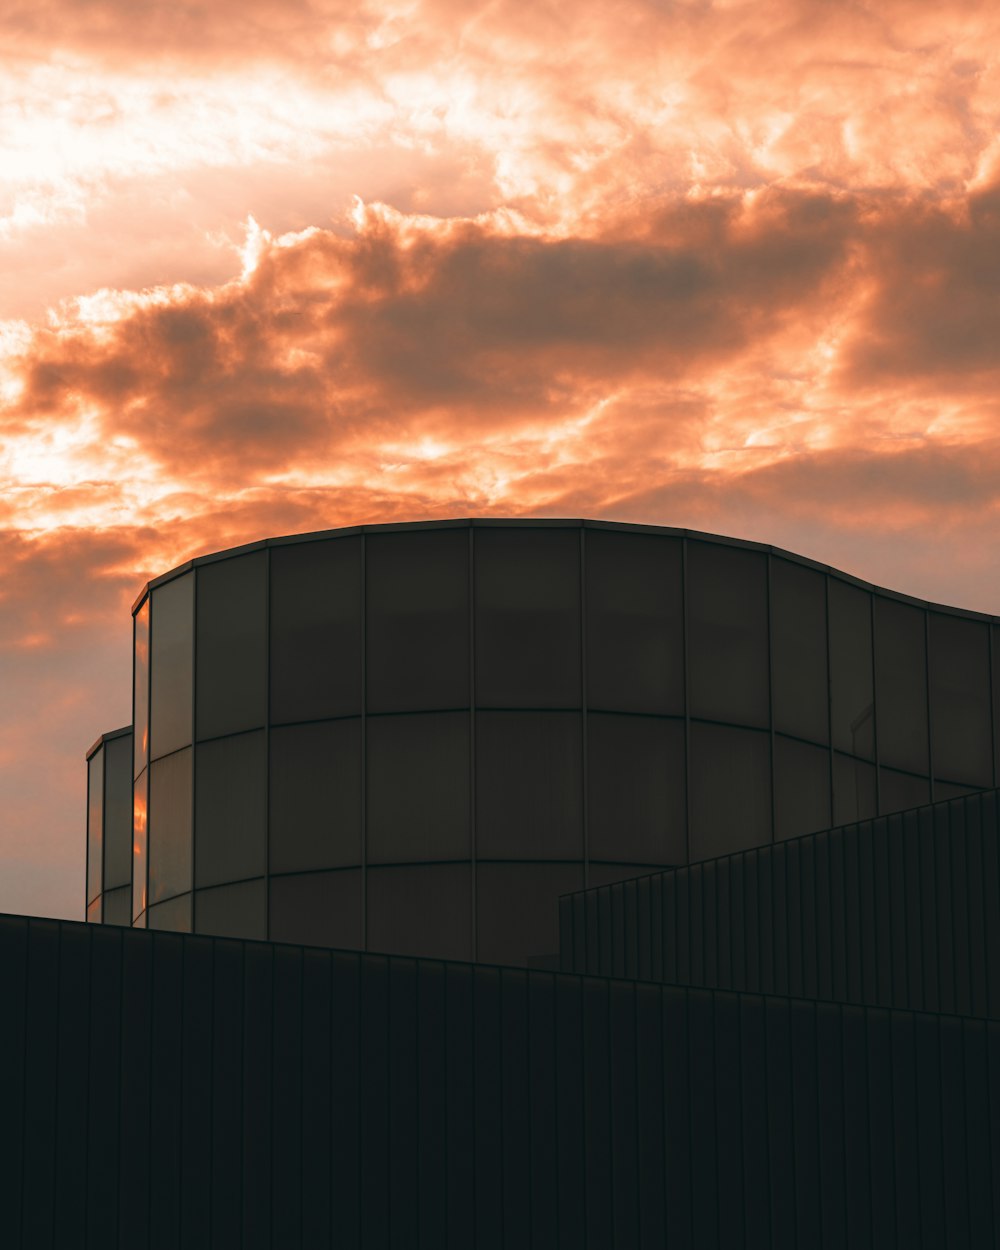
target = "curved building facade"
x: 414, y: 738
x: 109, y: 828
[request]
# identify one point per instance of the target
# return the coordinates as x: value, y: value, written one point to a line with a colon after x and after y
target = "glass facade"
x: 95, y: 825
x: 375, y: 738
x: 172, y: 666
x: 109, y: 829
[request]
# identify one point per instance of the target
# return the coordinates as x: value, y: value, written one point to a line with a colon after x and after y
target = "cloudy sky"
x: 277, y: 265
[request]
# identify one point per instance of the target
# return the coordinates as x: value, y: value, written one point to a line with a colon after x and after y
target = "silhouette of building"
x: 366, y: 766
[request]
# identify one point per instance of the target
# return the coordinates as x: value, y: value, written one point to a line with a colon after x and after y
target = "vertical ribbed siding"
x: 493, y: 1107
x: 901, y: 911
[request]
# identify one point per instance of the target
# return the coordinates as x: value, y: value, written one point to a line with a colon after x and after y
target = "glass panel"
x: 727, y: 638
x: 417, y: 620
x: 229, y: 810
x: 529, y: 781
x: 315, y: 796
x: 139, y: 808
x: 517, y: 909
x: 95, y: 824
x: 960, y: 699
x: 117, y: 908
x: 174, y: 915
x: 898, y: 791
x: 798, y: 651
x: 527, y: 617
x: 635, y: 622
x: 853, y: 790
x: 320, y: 909
x: 140, y: 688
x: 170, y: 826
x: 730, y: 790
x: 636, y: 780
x: 851, y: 699
x: 232, y: 656
x: 801, y: 788
x: 901, y: 685
x: 94, y: 911
x: 118, y: 812
x: 238, y: 911
x: 316, y: 630
x: 171, y: 675
x: 418, y: 787
x: 421, y: 910
x: 995, y: 672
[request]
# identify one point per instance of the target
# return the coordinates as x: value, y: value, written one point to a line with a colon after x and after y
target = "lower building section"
x: 167, y: 1090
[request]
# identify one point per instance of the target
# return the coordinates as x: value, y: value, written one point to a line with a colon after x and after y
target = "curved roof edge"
x: 553, y: 523
x: 107, y: 737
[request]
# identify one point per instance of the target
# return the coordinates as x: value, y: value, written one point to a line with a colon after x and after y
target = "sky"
x: 270, y: 266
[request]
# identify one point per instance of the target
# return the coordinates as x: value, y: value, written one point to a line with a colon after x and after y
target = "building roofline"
x: 668, y: 531
x: 107, y: 737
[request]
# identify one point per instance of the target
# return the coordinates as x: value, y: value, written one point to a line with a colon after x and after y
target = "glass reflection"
x: 417, y: 620
x: 172, y: 651
x: 527, y: 589
x: 901, y: 685
x: 95, y: 824
x: 635, y: 622
x: 315, y: 630
x: 116, y: 907
x: 140, y: 689
x: 170, y: 826
x: 117, y: 811
x: 727, y: 634
x: 139, y: 816
x: 174, y: 915
x: 960, y: 699
x: 232, y: 645
x: 799, y: 651
x: 852, y: 707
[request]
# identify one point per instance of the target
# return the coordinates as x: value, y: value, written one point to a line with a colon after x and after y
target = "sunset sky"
x: 276, y: 265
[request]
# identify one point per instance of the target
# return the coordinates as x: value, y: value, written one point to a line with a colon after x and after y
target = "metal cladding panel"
x: 555, y: 1109
x: 900, y: 911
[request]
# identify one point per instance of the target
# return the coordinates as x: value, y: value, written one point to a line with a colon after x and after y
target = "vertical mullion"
x: 364, y: 742
x: 583, y: 707
x: 875, y: 750
x: 927, y: 701
x: 770, y: 702
x: 687, y: 700
x: 473, y: 866
x: 267, y: 741
x: 829, y: 700
x: 993, y: 703
x: 194, y: 734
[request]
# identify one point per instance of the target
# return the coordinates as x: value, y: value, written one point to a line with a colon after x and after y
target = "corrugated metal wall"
x: 901, y: 911
x: 173, y: 1091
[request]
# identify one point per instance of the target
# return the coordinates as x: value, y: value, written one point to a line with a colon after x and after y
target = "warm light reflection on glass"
x: 140, y: 671
x: 139, y: 818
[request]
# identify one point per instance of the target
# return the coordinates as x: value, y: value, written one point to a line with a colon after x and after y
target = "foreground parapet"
x: 414, y: 738
x: 173, y: 1090
x: 109, y: 828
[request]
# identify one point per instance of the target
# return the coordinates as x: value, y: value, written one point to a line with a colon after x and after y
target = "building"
x: 415, y: 738
x: 548, y: 884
